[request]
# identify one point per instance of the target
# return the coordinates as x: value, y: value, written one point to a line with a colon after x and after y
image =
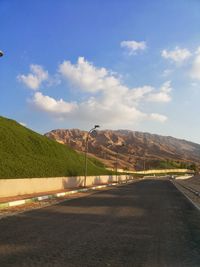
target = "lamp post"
x: 144, y: 164
x: 1, y: 53
x: 117, y: 156
x: 116, y: 166
x: 86, y: 151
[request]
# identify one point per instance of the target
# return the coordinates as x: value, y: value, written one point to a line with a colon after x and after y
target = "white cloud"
x: 158, y: 117
x: 139, y: 93
x: 195, y: 72
x: 86, y: 76
x: 34, y: 79
x: 163, y: 95
x: 177, y: 55
x: 50, y: 105
x: 133, y: 46
x: 109, y: 102
x: 109, y: 114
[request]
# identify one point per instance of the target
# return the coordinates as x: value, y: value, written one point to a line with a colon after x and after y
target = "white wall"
x: 15, y: 187
x: 154, y: 171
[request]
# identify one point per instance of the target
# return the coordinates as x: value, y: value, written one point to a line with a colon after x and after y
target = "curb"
x: 191, y: 201
x: 197, y: 193
x: 56, y: 195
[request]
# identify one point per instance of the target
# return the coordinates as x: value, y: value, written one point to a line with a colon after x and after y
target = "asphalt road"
x: 148, y: 223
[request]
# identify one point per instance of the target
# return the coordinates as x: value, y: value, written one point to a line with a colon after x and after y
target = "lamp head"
x: 96, y: 126
x: 1, y: 53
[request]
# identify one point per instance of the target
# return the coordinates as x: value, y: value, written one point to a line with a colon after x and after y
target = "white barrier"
x: 154, y: 171
x: 16, y: 187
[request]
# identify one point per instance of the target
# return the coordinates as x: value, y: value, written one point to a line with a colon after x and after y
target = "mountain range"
x: 131, y: 149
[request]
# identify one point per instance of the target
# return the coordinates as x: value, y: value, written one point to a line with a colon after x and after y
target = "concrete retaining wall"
x: 15, y: 187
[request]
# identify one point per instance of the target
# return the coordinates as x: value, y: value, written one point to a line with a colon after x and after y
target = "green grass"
x: 138, y: 175
x: 24, y: 153
x: 170, y: 164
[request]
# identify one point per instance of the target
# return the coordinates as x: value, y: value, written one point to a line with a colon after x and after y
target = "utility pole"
x: 86, y: 151
x: 117, y: 157
x: 116, y: 166
x: 144, y: 164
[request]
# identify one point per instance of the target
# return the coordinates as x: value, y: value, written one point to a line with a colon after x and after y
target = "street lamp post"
x: 144, y: 162
x: 116, y: 166
x: 86, y: 151
x: 144, y: 165
x: 117, y: 156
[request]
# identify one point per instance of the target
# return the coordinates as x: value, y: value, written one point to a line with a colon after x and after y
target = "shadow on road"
x: 148, y: 223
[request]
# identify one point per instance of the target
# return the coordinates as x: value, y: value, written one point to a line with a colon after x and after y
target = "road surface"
x: 148, y: 223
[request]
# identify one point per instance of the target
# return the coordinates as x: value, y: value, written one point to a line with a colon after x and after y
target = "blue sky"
x: 121, y: 64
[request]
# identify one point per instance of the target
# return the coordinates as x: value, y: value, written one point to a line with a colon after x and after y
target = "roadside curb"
x: 189, y: 189
x: 197, y: 193
x: 56, y: 195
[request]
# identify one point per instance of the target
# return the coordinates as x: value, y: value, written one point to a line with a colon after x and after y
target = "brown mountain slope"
x: 136, y: 150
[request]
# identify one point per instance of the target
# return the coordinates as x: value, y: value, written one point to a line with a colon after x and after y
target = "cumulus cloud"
x: 177, y: 55
x: 50, y: 105
x: 115, y: 113
x: 109, y: 102
x: 133, y: 47
x: 135, y: 95
x: 158, y: 117
x: 86, y: 76
x: 34, y: 79
x: 163, y: 95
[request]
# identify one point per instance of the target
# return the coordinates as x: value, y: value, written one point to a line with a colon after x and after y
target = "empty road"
x: 148, y: 223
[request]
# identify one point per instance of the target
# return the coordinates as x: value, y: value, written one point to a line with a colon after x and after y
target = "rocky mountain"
x: 131, y: 149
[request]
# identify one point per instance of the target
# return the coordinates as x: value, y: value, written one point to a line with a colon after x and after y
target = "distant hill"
x: 24, y: 153
x: 140, y: 150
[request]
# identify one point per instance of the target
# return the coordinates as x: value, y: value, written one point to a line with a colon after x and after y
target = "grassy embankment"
x: 170, y: 164
x: 24, y: 153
